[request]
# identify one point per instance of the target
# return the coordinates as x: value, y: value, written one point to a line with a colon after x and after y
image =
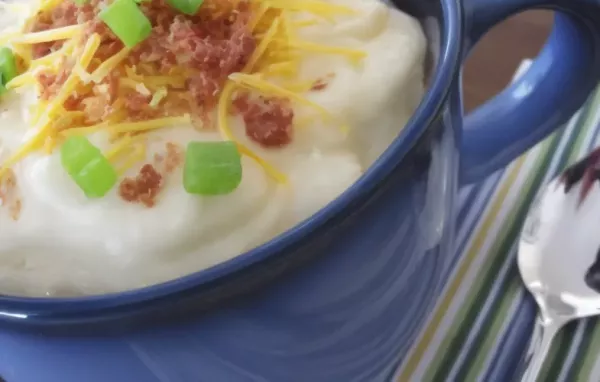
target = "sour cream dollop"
x: 64, y: 244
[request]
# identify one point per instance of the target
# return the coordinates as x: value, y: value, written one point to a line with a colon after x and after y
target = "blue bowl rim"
x: 15, y: 308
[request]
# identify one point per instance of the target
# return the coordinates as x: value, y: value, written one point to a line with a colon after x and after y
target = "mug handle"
x: 545, y: 97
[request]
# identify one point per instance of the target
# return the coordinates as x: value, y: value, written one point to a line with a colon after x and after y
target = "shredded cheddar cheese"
x: 262, y: 47
x: 353, y: 54
x: 138, y: 155
x: 107, y: 66
x: 53, y: 59
x: 130, y: 127
x: 47, y: 5
x: 319, y: 8
x: 118, y: 148
x: 23, y: 51
x: 158, y: 96
x: 27, y: 78
x: 48, y: 35
x: 305, y: 23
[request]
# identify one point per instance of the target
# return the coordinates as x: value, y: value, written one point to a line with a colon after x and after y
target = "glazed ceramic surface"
x: 342, y: 296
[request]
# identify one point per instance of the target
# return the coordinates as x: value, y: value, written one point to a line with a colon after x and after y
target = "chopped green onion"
x: 127, y: 21
x: 80, y: 2
x: 189, y: 7
x: 8, y: 67
x: 212, y: 168
x: 86, y: 165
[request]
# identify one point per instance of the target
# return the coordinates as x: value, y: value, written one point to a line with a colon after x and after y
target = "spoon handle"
x: 543, y: 334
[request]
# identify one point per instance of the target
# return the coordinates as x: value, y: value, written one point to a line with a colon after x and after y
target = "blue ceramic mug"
x: 341, y: 296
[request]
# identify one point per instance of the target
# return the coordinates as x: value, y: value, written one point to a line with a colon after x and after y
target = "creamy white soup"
x: 107, y: 180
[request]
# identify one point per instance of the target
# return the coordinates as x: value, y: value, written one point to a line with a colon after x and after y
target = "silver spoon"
x: 559, y: 258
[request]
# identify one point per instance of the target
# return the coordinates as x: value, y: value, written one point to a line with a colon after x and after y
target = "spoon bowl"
x: 559, y: 255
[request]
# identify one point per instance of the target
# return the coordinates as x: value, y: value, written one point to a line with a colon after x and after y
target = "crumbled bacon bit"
x: 171, y: 160
x: 137, y: 102
x: 319, y: 84
x: 322, y: 83
x: 9, y: 194
x: 8, y: 184
x: 174, y: 157
x: 268, y: 120
x: 51, y: 83
x: 143, y: 188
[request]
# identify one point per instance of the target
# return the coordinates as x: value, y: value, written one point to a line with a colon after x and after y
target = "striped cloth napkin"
x: 481, y: 326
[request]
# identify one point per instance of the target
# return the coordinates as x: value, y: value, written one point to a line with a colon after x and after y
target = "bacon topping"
x: 143, y: 188
x: 322, y: 83
x: 51, y: 83
x: 9, y: 194
x: 174, y: 157
x: 171, y: 160
x: 268, y: 120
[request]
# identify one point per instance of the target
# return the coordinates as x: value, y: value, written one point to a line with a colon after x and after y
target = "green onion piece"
x: 80, y: 2
x: 189, y: 7
x: 8, y: 67
x: 127, y: 21
x: 86, y: 165
x: 212, y: 168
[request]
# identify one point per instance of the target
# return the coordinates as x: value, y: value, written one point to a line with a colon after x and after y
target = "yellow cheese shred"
x: 262, y: 46
x: 138, y: 155
x: 48, y: 60
x: 49, y: 35
x: 129, y: 83
x: 130, y: 127
x: 160, y: 81
x: 24, y: 52
x: 89, y: 51
x: 299, y: 86
x: 38, y: 111
x: 260, y: 12
x: 353, y: 54
x: 49, y: 144
x: 119, y: 148
x: 54, y: 59
x: 158, y: 96
x: 305, y: 23
x: 27, y: 78
x: 319, y: 8
x: 282, y: 68
x: 107, y: 66
x: 47, y: 5
x: 73, y: 80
